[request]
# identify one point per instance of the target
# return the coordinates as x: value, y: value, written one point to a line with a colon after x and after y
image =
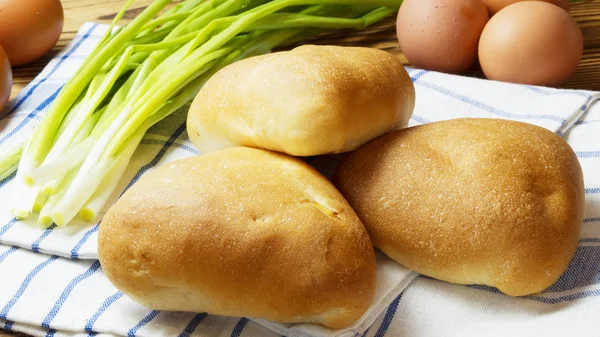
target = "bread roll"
x: 310, y: 101
x: 470, y: 201
x: 240, y: 232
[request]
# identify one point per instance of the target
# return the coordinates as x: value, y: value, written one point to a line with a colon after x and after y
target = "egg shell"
x: 496, y: 5
x: 5, y: 79
x: 29, y: 28
x: 531, y: 42
x: 441, y: 35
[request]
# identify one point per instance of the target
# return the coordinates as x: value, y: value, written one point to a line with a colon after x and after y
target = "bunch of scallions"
x: 139, y: 74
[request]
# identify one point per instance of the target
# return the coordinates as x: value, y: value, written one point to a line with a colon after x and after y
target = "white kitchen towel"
x: 51, y: 284
x: 66, y: 247
x: 51, y: 294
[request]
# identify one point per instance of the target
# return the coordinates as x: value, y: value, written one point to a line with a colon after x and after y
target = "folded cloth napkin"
x: 51, y: 282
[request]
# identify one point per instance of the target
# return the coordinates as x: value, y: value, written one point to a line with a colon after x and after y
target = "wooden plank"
x: 4, y: 333
x: 586, y: 13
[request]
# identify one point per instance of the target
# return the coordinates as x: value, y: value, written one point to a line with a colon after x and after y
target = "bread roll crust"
x: 309, y: 101
x: 240, y: 232
x: 471, y: 201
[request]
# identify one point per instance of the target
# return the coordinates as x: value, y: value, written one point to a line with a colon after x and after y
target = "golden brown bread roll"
x: 240, y: 232
x: 470, y: 201
x: 310, y: 101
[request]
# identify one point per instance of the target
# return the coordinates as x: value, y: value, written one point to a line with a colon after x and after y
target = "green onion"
x: 10, y: 160
x: 143, y: 72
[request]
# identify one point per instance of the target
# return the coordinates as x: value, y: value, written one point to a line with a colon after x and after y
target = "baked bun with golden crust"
x: 470, y: 201
x: 240, y: 232
x: 309, y: 101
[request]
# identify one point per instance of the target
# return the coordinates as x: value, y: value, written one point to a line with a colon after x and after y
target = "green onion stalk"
x: 143, y: 72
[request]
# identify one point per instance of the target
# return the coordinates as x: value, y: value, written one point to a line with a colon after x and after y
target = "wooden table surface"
x: 586, y: 13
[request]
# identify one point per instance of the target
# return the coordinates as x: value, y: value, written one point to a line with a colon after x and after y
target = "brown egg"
x: 29, y: 28
x: 531, y: 42
x: 5, y: 80
x: 441, y: 35
x: 496, y: 5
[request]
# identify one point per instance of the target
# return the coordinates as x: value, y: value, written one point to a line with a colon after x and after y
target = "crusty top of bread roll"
x: 240, y: 232
x: 470, y: 201
x: 309, y: 101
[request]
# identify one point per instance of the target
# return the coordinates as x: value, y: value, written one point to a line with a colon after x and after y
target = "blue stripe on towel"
x: 177, y: 145
x: 50, y: 333
x: 483, y: 287
x: 31, y: 90
x: 580, y: 122
x: 84, y: 238
x: 582, y: 272
x: 180, y: 130
x: 158, y: 157
x: 24, y: 285
x: 388, y: 318
x: 547, y: 92
x: 239, y: 327
x: 191, y: 327
x: 144, y: 321
x: 8, y: 179
x: 8, y: 325
x: 541, y: 298
x: 567, y: 298
x: 418, y: 75
x: 588, y: 154
x: 27, y: 119
x: 488, y: 108
x: 35, y: 246
x: 65, y: 294
x: 21, y: 114
x: 89, y: 326
x: 17, y: 114
x: 588, y: 240
x: 590, y: 220
x: 594, y: 190
x: 8, y: 252
x: 419, y: 119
